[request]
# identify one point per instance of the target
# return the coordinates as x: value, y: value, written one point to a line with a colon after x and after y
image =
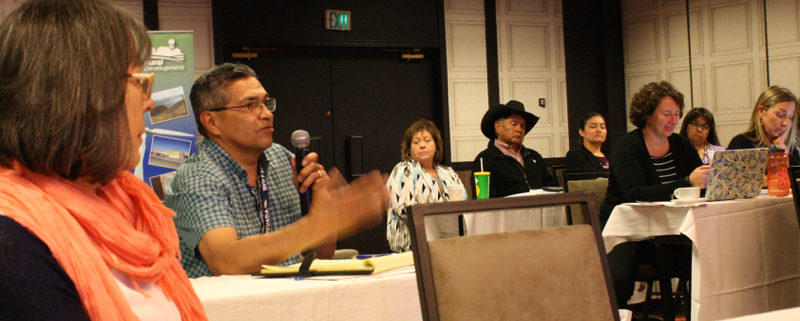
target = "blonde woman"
x: 774, y: 121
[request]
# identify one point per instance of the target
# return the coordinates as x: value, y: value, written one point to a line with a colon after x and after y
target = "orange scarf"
x: 123, y: 226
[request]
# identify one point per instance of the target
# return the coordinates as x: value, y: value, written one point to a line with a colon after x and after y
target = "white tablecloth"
x: 792, y: 314
x: 390, y: 295
x: 746, y: 255
x: 516, y: 220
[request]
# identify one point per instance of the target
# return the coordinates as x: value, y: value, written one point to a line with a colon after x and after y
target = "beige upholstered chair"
x: 595, y: 186
x: 558, y: 273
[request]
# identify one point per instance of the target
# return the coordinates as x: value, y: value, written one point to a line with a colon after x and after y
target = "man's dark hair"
x: 209, y: 92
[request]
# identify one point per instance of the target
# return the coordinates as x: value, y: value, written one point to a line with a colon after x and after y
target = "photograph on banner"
x: 171, y: 131
x: 169, y: 152
x: 159, y: 183
x: 169, y: 104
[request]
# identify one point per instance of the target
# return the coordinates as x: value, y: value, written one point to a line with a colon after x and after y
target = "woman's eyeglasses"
x: 254, y: 106
x: 703, y: 126
x: 145, y: 82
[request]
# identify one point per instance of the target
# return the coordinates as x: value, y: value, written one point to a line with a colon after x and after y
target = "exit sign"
x: 337, y: 20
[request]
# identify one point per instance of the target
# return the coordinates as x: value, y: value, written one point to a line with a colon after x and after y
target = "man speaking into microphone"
x: 236, y: 200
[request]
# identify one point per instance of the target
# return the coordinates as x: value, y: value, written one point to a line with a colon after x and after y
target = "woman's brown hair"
x: 63, y: 67
x: 416, y: 127
x: 646, y: 100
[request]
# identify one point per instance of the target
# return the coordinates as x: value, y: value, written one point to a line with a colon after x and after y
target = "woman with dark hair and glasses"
x: 80, y: 237
x: 591, y: 156
x: 699, y: 128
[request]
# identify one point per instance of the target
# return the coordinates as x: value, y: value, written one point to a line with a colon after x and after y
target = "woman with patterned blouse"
x: 420, y: 178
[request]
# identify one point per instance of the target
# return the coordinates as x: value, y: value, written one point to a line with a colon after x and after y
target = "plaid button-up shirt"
x: 210, y: 190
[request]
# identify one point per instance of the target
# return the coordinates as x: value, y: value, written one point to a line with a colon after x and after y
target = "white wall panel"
x: 629, y: 5
x: 730, y: 28
x: 562, y: 110
x: 528, y: 91
x: 528, y: 46
x: 783, y: 24
x: 466, y: 46
x: 732, y: 86
x: 696, y: 36
x: 527, y: 7
x: 677, y: 40
x: 679, y: 78
x: 699, y: 82
x: 544, y: 144
x: 464, y: 6
x: 469, y: 102
x: 641, y: 41
x: 465, y: 149
x: 530, y: 63
x: 785, y: 71
x: 560, y: 63
x: 634, y: 82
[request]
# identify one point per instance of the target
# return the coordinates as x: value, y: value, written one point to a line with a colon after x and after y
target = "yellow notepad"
x: 352, y: 266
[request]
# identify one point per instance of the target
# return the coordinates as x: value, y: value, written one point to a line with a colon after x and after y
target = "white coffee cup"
x: 686, y: 193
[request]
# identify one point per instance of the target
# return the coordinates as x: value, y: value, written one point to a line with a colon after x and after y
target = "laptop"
x: 736, y: 173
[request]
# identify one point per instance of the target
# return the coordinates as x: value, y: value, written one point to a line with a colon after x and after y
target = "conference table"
x: 517, y: 219
x: 792, y: 314
x: 390, y: 295
x: 745, y: 256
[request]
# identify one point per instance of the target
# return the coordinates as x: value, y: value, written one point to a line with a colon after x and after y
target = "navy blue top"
x: 33, y: 286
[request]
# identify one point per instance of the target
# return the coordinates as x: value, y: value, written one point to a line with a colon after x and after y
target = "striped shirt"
x: 666, y: 168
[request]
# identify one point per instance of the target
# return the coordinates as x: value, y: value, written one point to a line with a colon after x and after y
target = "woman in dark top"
x: 591, y: 156
x: 648, y: 164
x: 700, y: 129
x: 772, y: 121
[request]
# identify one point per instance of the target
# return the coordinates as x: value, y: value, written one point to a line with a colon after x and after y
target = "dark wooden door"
x: 299, y: 78
x: 355, y: 102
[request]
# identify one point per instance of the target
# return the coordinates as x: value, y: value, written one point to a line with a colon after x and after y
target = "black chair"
x: 794, y: 175
x: 545, y: 274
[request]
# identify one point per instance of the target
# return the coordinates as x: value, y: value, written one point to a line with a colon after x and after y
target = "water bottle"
x: 777, y: 172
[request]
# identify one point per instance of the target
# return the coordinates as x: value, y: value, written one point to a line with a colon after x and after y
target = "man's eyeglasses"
x: 703, y: 126
x: 254, y: 106
x: 145, y: 82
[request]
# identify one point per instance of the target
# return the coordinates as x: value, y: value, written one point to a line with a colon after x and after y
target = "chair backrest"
x: 464, y: 171
x: 597, y: 187
x: 525, y: 275
x: 794, y: 175
x: 556, y: 166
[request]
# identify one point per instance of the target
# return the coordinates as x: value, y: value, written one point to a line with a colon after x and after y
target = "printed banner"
x: 171, y: 134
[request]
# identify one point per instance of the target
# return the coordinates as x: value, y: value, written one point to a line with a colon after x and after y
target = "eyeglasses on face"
x: 145, y: 82
x: 703, y: 126
x: 254, y: 106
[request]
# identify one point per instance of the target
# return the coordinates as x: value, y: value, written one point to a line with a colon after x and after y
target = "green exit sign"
x: 337, y: 20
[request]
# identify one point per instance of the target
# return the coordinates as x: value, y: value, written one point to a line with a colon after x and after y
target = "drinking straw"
x: 481, y: 164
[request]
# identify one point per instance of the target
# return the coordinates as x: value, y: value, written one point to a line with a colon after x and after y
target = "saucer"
x: 699, y: 200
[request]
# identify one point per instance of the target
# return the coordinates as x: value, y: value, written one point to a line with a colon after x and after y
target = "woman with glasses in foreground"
x: 699, y: 128
x: 80, y: 237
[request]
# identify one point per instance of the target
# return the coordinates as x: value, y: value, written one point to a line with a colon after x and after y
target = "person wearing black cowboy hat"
x: 514, y: 168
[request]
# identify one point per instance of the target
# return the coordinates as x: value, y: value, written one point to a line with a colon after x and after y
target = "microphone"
x: 300, y: 141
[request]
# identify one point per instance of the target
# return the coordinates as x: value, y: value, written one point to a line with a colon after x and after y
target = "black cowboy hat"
x: 498, y: 111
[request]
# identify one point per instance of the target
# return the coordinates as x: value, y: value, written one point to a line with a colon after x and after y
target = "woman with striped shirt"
x: 648, y: 164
